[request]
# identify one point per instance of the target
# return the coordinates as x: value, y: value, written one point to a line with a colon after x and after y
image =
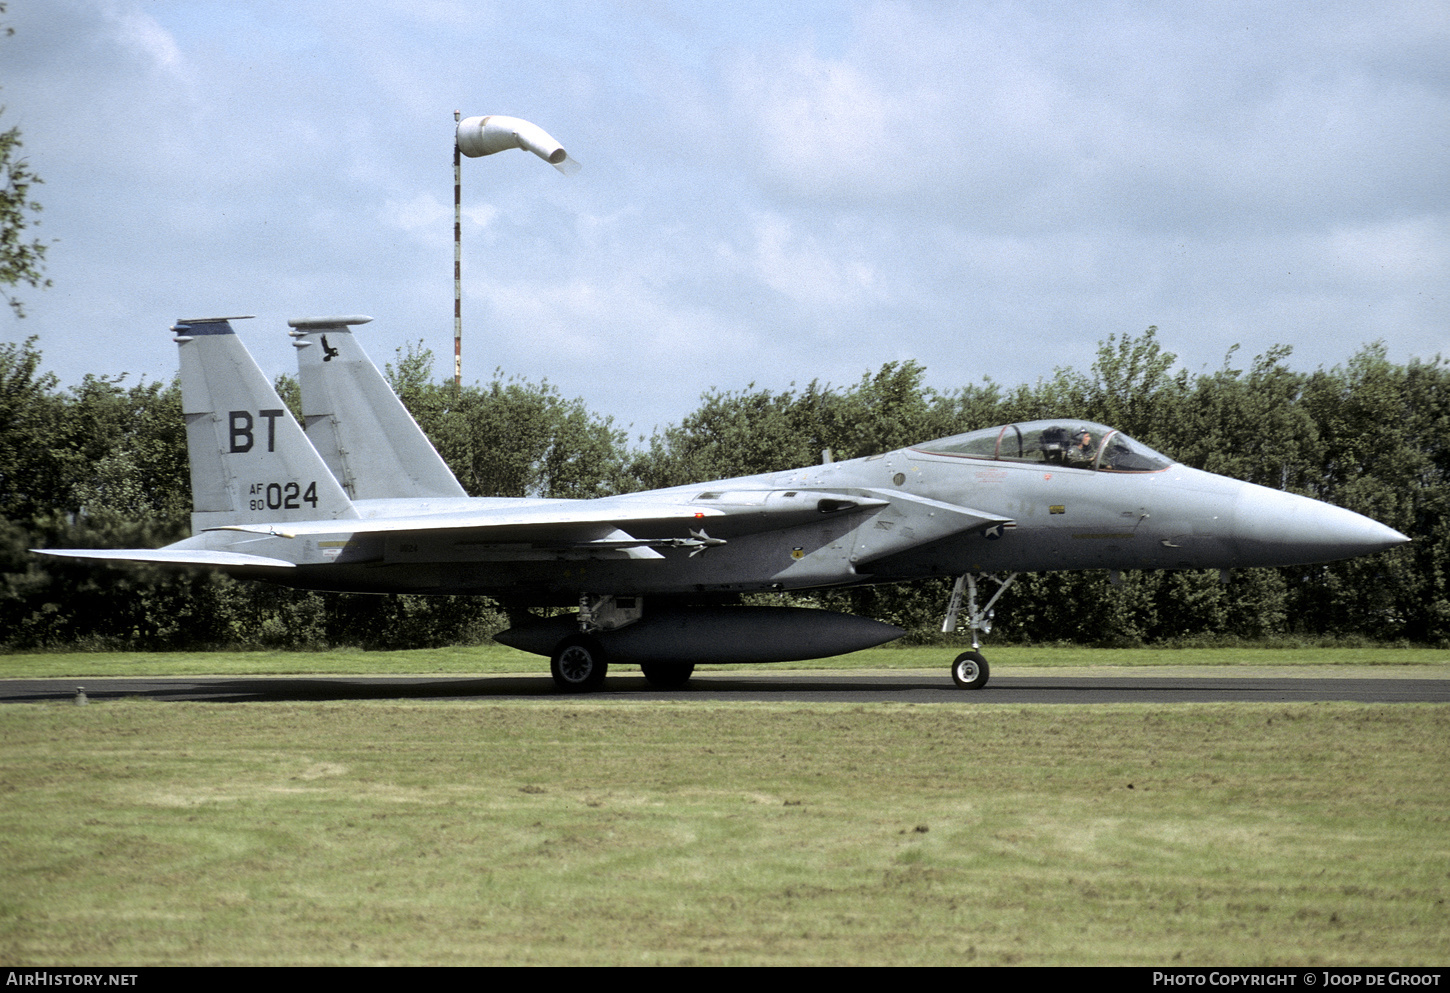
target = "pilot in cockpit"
x: 1080, y: 451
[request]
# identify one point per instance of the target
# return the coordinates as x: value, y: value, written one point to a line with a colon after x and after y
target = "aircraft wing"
x: 739, y: 512
x: 564, y: 519
x: 611, y: 527
x: 172, y: 557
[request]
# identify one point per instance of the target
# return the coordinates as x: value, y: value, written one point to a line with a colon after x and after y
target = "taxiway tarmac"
x: 817, y: 686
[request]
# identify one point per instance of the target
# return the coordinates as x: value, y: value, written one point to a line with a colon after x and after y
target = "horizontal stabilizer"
x: 178, y: 557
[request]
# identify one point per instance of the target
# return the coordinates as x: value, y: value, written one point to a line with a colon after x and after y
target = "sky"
x: 771, y: 193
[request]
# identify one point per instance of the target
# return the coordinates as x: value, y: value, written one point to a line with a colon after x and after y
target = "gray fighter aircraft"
x: 361, y: 502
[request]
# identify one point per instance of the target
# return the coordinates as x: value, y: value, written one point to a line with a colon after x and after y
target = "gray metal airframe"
x: 362, y: 502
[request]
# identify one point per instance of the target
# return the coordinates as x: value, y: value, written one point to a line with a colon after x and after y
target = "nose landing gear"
x: 970, y: 670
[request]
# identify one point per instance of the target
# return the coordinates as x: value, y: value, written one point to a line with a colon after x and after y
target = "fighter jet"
x: 361, y: 502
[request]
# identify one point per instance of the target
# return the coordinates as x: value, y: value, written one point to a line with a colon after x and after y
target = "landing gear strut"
x: 970, y: 670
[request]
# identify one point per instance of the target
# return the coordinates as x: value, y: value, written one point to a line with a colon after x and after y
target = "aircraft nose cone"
x: 1285, y: 529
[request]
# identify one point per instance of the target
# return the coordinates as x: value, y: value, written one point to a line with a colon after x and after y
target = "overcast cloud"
x: 770, y: 193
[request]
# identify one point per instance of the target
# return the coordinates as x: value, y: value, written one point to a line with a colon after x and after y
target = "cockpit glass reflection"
x: 1072, y: 444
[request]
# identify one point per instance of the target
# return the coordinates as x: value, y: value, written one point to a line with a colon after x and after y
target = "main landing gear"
x: 579, y: 662
x: 578, y: 665
x: 970, y: 670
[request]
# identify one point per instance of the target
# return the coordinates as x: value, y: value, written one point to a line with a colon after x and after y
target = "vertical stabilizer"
x: 250, y: 461
x: 357, y: 424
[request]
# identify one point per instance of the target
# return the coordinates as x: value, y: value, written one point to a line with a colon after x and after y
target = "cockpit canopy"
x: 1074, y: 444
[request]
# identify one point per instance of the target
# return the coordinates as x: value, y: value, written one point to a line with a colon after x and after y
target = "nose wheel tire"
x: 970, y: 671
x: 578, y: 665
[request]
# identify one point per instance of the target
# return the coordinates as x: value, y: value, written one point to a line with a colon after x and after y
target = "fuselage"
x: 1051, y: 516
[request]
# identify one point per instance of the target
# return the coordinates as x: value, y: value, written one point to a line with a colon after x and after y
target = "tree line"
x: 103, y: 464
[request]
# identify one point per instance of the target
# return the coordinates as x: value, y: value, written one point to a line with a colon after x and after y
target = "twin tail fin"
x: 355, y: 421
x: 251, y: 463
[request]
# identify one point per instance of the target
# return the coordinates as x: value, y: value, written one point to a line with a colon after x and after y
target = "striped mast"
x: 457, y: 260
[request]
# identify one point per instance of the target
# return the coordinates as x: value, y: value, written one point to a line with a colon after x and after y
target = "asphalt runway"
x: 787, y: 687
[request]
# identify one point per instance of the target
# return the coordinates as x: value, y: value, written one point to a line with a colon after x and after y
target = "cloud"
x: 770, y: 193
x: 809, y: 270
x: 1393, y: 255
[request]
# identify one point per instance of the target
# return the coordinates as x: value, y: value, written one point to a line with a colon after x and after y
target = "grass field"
x: 493, y: 658
x: 579, y: 831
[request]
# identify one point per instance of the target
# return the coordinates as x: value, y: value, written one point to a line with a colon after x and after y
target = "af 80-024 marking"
x: 282, y: 496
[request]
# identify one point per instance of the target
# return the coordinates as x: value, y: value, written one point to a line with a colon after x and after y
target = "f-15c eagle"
x: 361, y: 502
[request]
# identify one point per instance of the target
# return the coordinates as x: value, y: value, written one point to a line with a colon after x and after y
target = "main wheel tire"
x: 970, y: 671
x: 667, y: 675
x: 578, y: 665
